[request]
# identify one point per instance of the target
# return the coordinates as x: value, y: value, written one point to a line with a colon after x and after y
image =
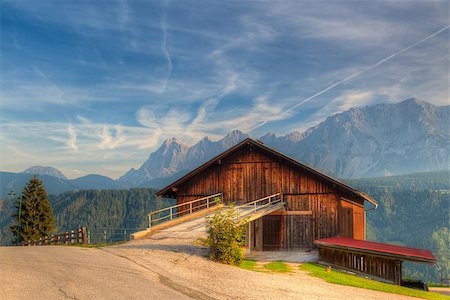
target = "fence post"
x: 149, y: 221
x: 190, y: 208
x: 171, y: 213
x: 83, y: 235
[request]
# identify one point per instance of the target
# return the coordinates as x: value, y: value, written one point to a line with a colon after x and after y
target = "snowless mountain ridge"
x: 383, y: 139
x: 377, y: 140
x: 41, y: 170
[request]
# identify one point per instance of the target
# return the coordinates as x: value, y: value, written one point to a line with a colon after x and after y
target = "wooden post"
x: 171, y: 213
x: 249, y: 236
x: 190, y: 207
x: 83, y: 234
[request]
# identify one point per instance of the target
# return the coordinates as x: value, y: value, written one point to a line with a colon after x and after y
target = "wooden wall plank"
x: 250, y: 174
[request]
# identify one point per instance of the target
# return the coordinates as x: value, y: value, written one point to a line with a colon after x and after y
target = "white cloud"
x: 109, y: 140
x: 71, y: 142
x: 165, y: 52
x: 352, y: 98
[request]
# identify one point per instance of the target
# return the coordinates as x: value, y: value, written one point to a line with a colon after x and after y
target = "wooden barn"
x: 314, y: 206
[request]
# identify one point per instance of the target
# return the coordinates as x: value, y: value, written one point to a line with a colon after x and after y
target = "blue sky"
x: 96, y: 86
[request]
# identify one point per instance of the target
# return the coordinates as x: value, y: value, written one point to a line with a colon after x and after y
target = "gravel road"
x: 186, y: 265
x: 58, y: 272
x: 155, y: 268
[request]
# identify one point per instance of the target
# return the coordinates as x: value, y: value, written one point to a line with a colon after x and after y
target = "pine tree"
x: 34, y: 215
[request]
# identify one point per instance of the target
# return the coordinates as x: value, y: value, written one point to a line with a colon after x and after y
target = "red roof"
x: 406, y: 253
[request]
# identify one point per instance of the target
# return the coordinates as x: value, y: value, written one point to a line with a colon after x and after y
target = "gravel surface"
x: 186, y: 265
x: 165, y: 266
x: 58, y: 272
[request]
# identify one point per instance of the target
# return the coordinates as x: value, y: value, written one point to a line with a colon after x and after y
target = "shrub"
x: 226, y: 236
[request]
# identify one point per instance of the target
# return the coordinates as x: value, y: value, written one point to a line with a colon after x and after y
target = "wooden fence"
x: 69, y: 237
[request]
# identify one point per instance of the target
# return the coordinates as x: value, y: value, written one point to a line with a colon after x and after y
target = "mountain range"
x: 378, y: 140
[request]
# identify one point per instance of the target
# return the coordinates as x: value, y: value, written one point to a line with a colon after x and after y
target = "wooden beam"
x: 308, y: 193
x: 351, y: 201
x: 291, y: 213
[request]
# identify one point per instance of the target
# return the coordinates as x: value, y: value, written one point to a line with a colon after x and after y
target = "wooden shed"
x: 378, y: 260
x: 316, y: 206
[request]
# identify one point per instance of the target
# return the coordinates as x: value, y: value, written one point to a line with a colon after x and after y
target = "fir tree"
x: 34, y: 215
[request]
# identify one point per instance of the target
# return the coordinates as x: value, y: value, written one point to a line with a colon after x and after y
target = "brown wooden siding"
x: 386, y: 269
x: 249, y: 174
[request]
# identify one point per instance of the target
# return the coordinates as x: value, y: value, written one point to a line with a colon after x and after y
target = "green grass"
x: 278, y: 266
x: 356, y: 281
x: 437, y: 285
x: 248, y: 264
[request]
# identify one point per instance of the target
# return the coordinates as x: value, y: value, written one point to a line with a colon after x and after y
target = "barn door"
x: 299, y: 228
x: 345, y: 219
x: 271, y: 233
x: 299, y: 232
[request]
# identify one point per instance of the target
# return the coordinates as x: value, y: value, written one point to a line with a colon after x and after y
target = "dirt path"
x: 185, y: 265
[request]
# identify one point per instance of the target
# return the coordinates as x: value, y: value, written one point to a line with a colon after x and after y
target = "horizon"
x: 94, y: 91
x: 212, y: 140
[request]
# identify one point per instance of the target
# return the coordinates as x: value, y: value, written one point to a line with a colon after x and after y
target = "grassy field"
x: 356, y: 281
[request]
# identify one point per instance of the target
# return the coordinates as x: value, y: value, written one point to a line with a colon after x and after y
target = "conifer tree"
x: 34, y: 215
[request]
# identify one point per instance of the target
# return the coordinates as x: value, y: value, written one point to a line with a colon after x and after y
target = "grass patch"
x: 248, y: 264
x: 356, y: 281
x: 438, y: 285
x: 278, y: 266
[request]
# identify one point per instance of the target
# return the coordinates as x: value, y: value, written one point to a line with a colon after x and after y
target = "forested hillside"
x: 413, y: 211
x: 94, y: 209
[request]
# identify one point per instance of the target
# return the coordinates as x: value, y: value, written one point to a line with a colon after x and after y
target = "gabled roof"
x: 249, y: 141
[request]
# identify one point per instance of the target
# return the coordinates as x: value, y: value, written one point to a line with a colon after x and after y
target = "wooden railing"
x: 259, y: 203
x: 69, y: 237
x: 172, y: 212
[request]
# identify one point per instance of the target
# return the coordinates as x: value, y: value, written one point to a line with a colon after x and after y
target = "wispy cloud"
x: 71, y: 142
x: 356, y: 74
x: 135, y: 73
x: 352, y: 99
x: 164, y: 49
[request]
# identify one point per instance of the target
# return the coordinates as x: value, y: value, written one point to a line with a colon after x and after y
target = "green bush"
x: 226, y: 236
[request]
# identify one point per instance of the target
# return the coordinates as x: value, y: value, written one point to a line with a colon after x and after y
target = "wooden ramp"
x: 193, y: 224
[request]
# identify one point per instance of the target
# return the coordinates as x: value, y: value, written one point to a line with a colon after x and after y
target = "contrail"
x: 165, y: 51
x: 355, y: 75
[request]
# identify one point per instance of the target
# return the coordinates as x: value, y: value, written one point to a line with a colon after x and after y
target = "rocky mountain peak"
x: 390, y: 138
x: 42, y: 170
x: 233, y: 138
